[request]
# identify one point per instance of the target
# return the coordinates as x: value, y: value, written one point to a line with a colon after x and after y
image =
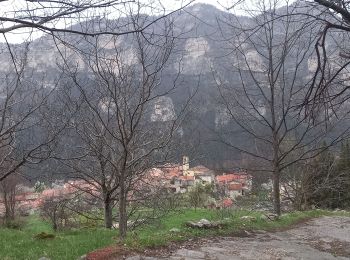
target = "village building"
x: 29, y: 201
x: 234, y: 184
x: 179, y: 178
x: 175, y: 178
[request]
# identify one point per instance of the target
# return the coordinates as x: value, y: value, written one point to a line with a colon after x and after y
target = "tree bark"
x: 108, y: 214
x: 9, y: 201
x: 54, y: 222
x: 276, y: 192
x: 122, y: 210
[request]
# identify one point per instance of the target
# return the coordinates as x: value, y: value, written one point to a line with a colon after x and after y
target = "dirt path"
x: 322, y: 238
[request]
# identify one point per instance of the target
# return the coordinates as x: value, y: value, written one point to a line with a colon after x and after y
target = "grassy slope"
x: 159, y: 235
x: 21, y: 244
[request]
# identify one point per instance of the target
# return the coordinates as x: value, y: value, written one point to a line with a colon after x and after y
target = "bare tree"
x: 119, y: 124
x: 90, y: 159
x: 270, y: 52
x: 54, y: 209
x: 60, y: 19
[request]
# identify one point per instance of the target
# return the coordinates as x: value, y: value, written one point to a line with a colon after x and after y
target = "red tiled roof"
x: 199, y: 168
x: 157, y: 174
x: 171, y: 171
x: 186, y: 178
x: 231, y: 177
x: 235, y: 186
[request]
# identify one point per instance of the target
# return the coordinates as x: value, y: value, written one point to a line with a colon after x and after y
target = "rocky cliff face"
x: 200, y: 53
x: 197, y: 55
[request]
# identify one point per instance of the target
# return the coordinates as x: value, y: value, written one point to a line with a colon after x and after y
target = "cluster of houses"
x: 28, y: 200
x: 180, y: 178
x: 176, y: 178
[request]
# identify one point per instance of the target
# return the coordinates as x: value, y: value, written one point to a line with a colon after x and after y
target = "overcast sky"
x: 18, y: 36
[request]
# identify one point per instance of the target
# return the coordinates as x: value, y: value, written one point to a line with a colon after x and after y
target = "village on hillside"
x: 175, y: 178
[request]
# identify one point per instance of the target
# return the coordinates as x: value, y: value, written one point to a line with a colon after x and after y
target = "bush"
x: 90, y: 223
x: 66, y: 212
x: 199, y: 195
x: 15, y: 224
x: 55, y: 211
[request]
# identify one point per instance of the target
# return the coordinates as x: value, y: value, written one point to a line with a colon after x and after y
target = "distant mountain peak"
x: 202, y: 8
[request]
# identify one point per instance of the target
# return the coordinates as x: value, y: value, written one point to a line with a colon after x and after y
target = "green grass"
x: 159, y: 235
x: 21, y: 244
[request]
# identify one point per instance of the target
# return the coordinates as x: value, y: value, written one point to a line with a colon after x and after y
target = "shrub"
x: 199, y: 194
x: 14, y: 223
x: 54, y: 210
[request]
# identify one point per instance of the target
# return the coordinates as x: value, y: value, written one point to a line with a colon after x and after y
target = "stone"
x: 260, y: 231
x: 263, y: 217
x: 271, y: 216
x: 248, y: 218
x: 190, y: 254
x: 174, y: 230
x: 44, y: 258
x: 193, y: 224
x: 115, y: 225
x: 204, y: 222
x: 83, y: 257
x: 135, y: 257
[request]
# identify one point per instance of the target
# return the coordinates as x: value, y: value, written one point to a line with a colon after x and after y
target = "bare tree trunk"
x: 7, y: 208
x: 275, y: 164
x: 54, y: 222
x: 108, y: 212
x: 13, y: 202
x: 122, y: 209
x: 8, y: 191
x: 276, y: 192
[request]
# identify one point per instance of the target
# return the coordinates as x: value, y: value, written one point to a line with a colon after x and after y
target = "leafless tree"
x: 90, y: 160
x: 54, y: 209
x: 60, y: 19
x: 270, y: 52
x: 123, y: 135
